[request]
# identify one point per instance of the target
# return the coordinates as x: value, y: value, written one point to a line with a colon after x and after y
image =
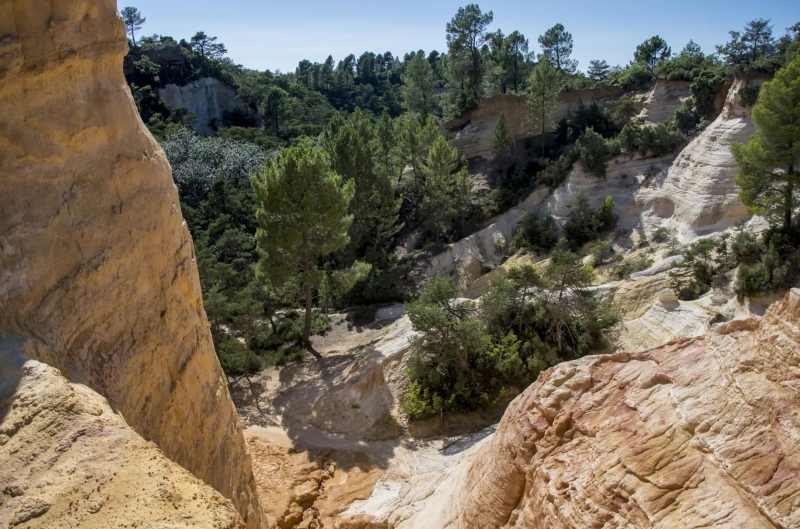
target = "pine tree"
x: 466, y: 36
x: 544, y: 87
x: 652, y: 51
x: 556, y: 46
x: 133, y: 21
x: 768, y: 176
x: 350, y: 144
x: 302, y: 217
x: 418, y: 84
x: 598, y: 70
x: 502, y: 140
x: 447, y: 192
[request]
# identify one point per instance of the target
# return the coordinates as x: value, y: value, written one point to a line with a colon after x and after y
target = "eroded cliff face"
x: 695, y: 433
x: 209, y: 98
x: 70, y: 461
x: 96, y: 263
x: 699, y: 194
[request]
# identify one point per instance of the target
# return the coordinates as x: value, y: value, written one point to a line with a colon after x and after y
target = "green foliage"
x: 768, y: 180
x: 652, y: 51
x: 465, y: 357
x: 634, y: 76
x: 584, y: 223
x: 594, y: 152
x: 302, y: 217
x: 466, y: 35
x: 659, y: 140
x: 544, y: 87
x: 354, y: 155
x: 751, y: 48
x: 419, y: 84
x: 502, y: 140
x: 601, y: 253
x: 534, y: 233
x: 598, y: 70
x: 133, y: 21
x: 448, y: 190
x: 704, y: 92
x: 705, y: 260
x: 778, y: 267
x: 748, y: 95
x: 625, y: 268
x: 197, y: 162
x: 661, y: 234
x: 556, y: 46
x: 630, y: 138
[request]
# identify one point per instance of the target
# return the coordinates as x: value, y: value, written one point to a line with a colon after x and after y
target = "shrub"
x: 661, y: 234
x: 748, y: 95
x: 629, y: 266
x: 601, y: 253
x: 584, y: 223
x: 464, y: 356
x: 630, y: 137
x: 777, y: 268
x: 594, y: 152
x: 634, y: 76
x: 704, y: 92
x: 534, y: 233
x: 234, y: 359
x: 659, y: 139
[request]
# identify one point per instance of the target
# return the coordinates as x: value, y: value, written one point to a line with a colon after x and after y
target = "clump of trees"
x: 467, y: 355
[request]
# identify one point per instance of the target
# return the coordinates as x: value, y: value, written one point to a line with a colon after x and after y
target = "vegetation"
x: 768, y: 176
x: 465, y: 356
x: 302, y: 217
x: 375, y: 121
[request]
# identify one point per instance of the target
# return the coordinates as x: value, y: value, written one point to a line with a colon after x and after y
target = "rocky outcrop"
x: 209, y: 98
x: 663, y: 99
x: 70, y: 461
x: 700, y: 191
x: 98, y: 267
x: 696, y: 433
x: 472, y: 133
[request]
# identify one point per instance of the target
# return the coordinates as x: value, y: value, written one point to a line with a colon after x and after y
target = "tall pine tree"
x: 302, y: 218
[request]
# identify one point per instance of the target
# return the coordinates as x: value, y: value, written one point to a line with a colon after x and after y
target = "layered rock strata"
x: 96, y: 263
x: 70, y: 461
x: 696, y: 433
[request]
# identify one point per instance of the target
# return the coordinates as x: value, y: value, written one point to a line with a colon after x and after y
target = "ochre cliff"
x: 70, y: 461
x: 96, y: 263
x: 696, y: 433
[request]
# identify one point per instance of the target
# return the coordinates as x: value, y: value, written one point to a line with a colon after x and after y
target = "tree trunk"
x: 309, y: 309
x: 788, y: 204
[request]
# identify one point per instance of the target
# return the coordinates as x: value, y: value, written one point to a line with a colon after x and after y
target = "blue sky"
x: 278, y: 34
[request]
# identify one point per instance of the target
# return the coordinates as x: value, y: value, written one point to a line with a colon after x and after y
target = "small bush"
x: 659, y: 140
x: 628, y: 266
x: 601, y: 253
x: 630, y: 138
x: 362, y: 315
x: 594, y: 152
x: 661, y: 235
x: 748, y: 95
x: 534, y: 233
x: 234, y: 359
x: 634, y: 76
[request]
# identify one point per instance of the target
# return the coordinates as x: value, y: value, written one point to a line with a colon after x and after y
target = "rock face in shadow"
x: 696, y: 433
x: 208, y: 97
x: 70, y: 461
x: 97, y: 265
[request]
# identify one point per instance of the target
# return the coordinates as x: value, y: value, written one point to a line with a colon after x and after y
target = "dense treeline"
x: 366, y: 133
